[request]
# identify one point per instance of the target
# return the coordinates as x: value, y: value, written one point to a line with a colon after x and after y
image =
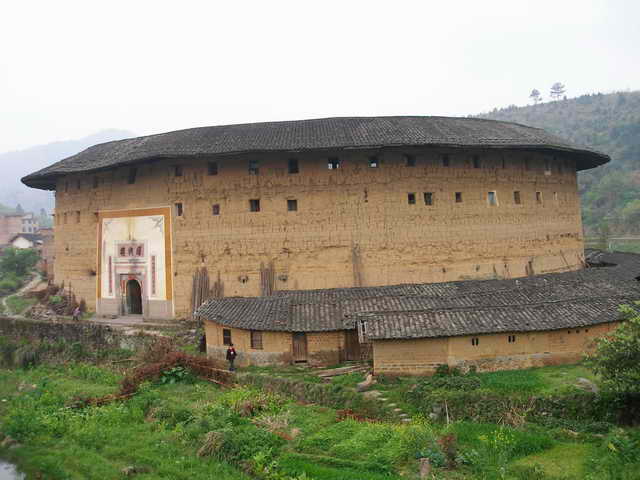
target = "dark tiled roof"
x: 317, y: 134
x: 32, y: 237
x: 544, y: 302
x: 577, y: 313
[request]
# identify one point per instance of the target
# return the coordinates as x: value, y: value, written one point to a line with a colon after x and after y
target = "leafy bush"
x: 9, y: 284
x: 55, y: 299
x: 18, y: 261
x: 176, y: 375
x: 617, y: 355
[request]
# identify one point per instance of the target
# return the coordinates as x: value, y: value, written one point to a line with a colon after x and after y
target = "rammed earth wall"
x: 323, y: 348
x: 353, y: 225
x: 492, y: 351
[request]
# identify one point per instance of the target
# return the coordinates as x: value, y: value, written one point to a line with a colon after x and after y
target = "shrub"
x: 617, y: 355
x: 9, y: 285
x: 55, y: 299
x: 175, y: 375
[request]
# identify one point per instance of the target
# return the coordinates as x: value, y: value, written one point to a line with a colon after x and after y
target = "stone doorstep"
x: 334, y: 372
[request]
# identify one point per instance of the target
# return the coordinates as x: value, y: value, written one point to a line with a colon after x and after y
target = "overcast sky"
x: 71, y: 68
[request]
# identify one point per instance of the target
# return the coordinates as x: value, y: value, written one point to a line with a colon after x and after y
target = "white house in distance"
x: 26, y: 240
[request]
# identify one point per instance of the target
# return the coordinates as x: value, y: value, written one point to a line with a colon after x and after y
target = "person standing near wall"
x: 231, y: 356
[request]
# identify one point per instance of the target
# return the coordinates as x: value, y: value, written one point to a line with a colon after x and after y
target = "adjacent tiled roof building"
x: 545, y: 302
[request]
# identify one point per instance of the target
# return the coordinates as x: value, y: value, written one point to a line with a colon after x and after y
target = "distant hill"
x: 15, y: 165
x: 607, y: 122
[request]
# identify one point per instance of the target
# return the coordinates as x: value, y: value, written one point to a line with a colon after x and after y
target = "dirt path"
x: 31, y: 284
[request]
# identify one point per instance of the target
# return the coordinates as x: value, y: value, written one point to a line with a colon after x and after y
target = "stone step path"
x: 334, y: 372
x: 35, y: 281
x: 402, y: 416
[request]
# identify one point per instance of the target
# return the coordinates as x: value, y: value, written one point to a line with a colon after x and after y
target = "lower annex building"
x: 411, y: 329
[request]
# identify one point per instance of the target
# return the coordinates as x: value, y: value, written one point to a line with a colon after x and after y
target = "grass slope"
x: 267, y: 436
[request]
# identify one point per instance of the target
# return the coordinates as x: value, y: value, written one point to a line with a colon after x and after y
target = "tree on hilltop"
x: 557, y: 91
x: 535, y: 96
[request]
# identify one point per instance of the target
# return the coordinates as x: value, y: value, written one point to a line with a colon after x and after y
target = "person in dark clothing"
x: 231, y: 356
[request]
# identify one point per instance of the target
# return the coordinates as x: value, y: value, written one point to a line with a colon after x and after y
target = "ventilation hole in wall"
x: 243, y: 279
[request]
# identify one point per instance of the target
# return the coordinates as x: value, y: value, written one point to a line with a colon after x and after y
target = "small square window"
x: 409, y: 161
x: 179, y: 209
x: 254, y: 205
x: 78, y: 216
x: 516, y: 198
x: 492, y: 198
x: 428, y: 198
x: 226, y: 336
x: 254, y: 167
x: 256, y: 340
x: 96, y: 182
x: 512, y: 339
x: 373, y: 162
x: 212, y: 168
x: 411, y: 198
x: 133, y: 172
x: 293, y: 166
x: 476, y: 161
x: 292, y: 205
x: 458, y: 197
x: 539, y: 197
x: 445, y: 160
x: 177, y: 170
x: 475, y: 341
x: 333, y: 163
x: 215, y: 209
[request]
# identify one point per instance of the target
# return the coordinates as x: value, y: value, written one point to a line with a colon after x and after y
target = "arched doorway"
x: 134, y: 298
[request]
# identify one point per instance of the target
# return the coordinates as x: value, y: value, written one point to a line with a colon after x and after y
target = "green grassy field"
x: 16, y: 305
x: 162, y: 430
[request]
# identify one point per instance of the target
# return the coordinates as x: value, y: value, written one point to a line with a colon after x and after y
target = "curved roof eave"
x: 314, y: 135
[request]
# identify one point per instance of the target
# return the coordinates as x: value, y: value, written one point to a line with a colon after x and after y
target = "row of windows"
x: 492, y: 198
x: 292, y: 204
x: 334, y: 163
x: 256, y: 338
x: 475, y: 341
x: 428, y: 197
x: 64, y: 218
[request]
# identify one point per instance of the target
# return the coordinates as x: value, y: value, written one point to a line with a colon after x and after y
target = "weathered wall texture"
x: 48, y: 253
x: 353, y: 225
x: 10, y: 225
x: 493, y: 351
x: 323, y: 348
x: 276, y: 346
x: 92, y: 336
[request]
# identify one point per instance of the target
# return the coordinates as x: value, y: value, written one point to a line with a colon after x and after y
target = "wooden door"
x: 352, y: 345
x: 299, y: 347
